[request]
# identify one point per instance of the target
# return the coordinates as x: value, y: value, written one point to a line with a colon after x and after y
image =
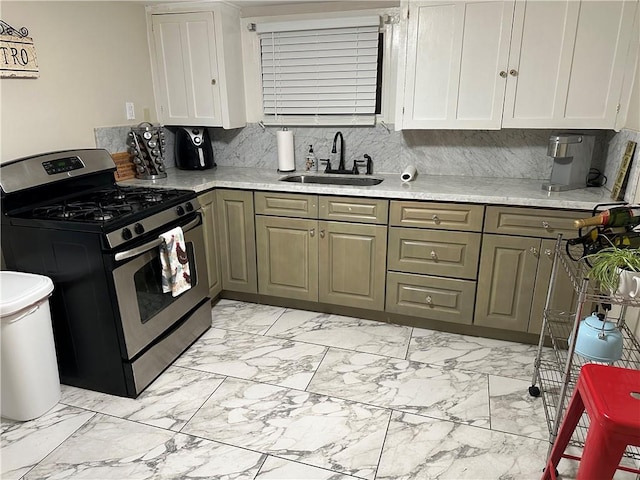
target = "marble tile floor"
x: 270, y: 393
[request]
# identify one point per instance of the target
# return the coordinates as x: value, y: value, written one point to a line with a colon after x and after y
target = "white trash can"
x: 30, y: 379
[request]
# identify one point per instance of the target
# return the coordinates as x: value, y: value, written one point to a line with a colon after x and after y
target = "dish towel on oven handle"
x: 176, y: 275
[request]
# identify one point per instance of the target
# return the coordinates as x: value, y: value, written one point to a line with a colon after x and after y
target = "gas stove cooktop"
x: 123, y: 214
x: 75, y: 191
x: 109, y: 204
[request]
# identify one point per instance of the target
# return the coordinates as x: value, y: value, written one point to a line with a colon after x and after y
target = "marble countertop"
x: 505, y: 191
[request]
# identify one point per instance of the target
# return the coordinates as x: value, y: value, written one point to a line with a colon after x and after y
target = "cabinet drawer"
x: 443, y: 216
x: 353, y: 209
x: 532, y: 222
x: 445, y: 299
x: 434, y: 252
x: 286, y: 204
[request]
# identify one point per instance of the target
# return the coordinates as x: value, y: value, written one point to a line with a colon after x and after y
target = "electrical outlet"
x: 131, y: 114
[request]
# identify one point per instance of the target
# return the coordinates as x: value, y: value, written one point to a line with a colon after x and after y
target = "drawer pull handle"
x: 436, y: 219
x: 312, y: 232
x: 434, y: 255
x: 429, y: 300
x: 545, y: 225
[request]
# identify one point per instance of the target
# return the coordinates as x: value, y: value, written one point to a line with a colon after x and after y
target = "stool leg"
x: 571, y: 419
x: 601, y: 455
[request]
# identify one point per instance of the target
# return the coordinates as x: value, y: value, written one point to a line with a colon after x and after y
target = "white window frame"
x: 253, y: 77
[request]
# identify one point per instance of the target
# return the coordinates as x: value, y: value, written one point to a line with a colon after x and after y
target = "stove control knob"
x: 138, y: 228
x: 189, y: 207
x: 180, y: 210
x: 126, y: 234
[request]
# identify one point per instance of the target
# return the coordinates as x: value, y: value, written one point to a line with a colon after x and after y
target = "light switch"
x: 131, y: 114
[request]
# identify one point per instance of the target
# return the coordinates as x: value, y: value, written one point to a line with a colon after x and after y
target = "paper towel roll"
x: 409, y: 173
x: 286, y: 160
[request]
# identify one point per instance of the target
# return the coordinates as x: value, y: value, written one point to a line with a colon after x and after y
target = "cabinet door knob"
x: 513, y: 72
x: 213, y: 81
x: 322, y: 233
x: 433, y: 254
x: 545, y: 225
x: 312, y: 232
x: 429, y: 300
x: 534, y: 251
x: 435, y: 219
x: 548, y: 252
x: 503, y: 74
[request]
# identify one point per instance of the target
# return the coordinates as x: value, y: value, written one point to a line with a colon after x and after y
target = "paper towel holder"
x: 286, y: 151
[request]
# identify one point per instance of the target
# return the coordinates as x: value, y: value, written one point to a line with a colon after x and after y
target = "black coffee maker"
x: 193, y: 149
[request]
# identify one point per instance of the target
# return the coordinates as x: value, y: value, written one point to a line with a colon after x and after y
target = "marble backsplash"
x: 508, y: 153
x: 615, y: 150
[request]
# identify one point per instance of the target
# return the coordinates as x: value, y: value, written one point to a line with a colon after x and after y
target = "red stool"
x: 611, y: 397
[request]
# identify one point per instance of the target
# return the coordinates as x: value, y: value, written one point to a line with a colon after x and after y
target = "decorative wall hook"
x: 6, y: 29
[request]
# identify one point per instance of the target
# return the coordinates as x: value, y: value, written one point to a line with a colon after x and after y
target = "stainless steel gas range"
x: 64, y: 216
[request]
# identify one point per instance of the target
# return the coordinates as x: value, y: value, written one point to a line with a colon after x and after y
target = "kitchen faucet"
x: 333, y: 149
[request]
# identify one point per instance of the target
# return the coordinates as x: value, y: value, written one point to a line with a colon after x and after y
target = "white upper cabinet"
x: 197, y: 68
x: 524, y: 64
x: 454, y: 51
x: 567, y: 63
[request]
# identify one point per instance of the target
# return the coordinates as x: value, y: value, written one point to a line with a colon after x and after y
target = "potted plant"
x: 610, y: 266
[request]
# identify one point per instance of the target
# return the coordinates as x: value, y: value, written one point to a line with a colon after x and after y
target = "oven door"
x: 146, y: 313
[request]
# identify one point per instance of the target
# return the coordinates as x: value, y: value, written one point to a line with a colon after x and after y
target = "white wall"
x: 93, y: 57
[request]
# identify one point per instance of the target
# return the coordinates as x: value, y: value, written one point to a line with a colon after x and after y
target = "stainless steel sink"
x: 331, y: 180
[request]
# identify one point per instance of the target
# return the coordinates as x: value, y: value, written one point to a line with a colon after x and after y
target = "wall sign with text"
x: 17, y: 53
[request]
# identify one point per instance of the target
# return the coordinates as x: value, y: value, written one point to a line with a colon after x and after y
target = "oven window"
x: 148, y: 284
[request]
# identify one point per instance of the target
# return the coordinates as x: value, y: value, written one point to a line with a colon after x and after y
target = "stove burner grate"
x: 82, y: 211
x: 113, y: 203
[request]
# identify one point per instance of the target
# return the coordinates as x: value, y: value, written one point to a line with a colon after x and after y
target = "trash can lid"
x: 19, y: 290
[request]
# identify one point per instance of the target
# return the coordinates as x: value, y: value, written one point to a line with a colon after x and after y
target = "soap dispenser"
x: 311, y: 163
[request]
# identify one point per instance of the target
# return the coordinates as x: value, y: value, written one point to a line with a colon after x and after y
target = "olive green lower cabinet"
x: 330, y: 262
x: 515, y: 267
x: 352, y: 264
x: 514, y: 275
x: 507, y: 278
x: 433, y: 256
x: 335, y: 262
x: 287, y: 250
x: 563, y: 297
x: 236, y: 234
x: 207, y: 201
x: 436, y: 298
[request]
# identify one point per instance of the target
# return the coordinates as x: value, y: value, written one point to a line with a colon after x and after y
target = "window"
x: 321, y: 72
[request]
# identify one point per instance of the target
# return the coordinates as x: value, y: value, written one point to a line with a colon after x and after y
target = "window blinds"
x: 320, y: 68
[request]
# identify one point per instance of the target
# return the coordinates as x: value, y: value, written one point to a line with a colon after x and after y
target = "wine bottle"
x: 587, y: 239
x: 614, y: 217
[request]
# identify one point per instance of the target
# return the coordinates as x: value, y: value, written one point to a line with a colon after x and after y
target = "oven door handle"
x: 134, y: 252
